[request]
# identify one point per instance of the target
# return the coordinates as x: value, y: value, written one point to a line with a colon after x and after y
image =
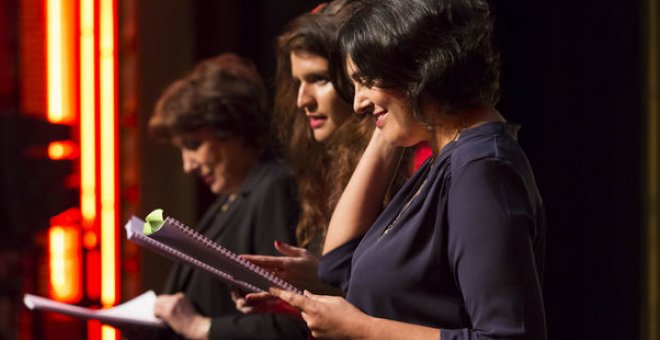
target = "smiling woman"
x: 217, y: 117
x: 388, y: 107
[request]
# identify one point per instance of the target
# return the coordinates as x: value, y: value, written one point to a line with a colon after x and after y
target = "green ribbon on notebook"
x: 153, y: 222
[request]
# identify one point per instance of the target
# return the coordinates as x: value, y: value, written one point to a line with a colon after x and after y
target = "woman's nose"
x: 305, y: 98
x: 361, y: 103
x: 189, y: 164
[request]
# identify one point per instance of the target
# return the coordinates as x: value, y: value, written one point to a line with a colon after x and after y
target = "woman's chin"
x: 216, y: 189
x: 320, y: 135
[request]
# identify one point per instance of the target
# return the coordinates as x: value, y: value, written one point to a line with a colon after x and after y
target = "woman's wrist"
x: 362, y: 329
x: 200, y: 328
x: 379, y: 143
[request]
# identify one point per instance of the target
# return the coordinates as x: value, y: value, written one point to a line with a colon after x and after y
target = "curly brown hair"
x: 225, y: 93
x: 314, y: 162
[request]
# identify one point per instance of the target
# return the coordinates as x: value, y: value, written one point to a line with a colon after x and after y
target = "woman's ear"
x: 423, y: 108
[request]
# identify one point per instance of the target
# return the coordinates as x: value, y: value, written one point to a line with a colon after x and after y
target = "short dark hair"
x: 439, y: 49
x: 224, y: 93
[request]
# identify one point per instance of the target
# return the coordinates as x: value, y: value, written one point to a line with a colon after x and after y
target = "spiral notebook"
x: 137, y: 311
x: 176, y: 240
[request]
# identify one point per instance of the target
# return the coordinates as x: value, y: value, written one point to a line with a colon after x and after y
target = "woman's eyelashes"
x: 312, y: 78
x: 318, y: 79
x: 363, y: 81
x: 191, y: 144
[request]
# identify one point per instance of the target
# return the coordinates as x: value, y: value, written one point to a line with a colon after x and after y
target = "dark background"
x: 572, y: 76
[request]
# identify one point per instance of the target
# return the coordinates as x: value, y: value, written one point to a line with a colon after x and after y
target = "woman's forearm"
x: 383, y: 329
x: 362, y: 199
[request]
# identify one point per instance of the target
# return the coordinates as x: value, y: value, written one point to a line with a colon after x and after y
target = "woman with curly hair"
x: 322, y: 136
x: 321, y: 133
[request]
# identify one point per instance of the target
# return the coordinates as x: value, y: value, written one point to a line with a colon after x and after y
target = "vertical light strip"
x: 57, y: 257
x: 108, y: 154
x: 87, y: 114
x: 59, y: 65
x: 64, y: 258
x: 109, y: 275
x: 54, y: 60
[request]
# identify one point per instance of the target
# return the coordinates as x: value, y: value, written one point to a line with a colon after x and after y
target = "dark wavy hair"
x: 430, y: 49
x: 315, y: 33
x: 225, y: 93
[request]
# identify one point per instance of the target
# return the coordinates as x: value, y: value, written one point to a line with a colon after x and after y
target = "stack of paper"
x: 138, y: 311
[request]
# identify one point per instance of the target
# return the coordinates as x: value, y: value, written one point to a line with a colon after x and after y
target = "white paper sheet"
x: 137, y: 311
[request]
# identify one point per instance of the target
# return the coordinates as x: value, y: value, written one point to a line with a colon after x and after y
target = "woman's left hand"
x: 327, y: 316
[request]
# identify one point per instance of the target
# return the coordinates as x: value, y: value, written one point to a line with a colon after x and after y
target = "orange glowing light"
x: 90, y: 240
x: 62, y: 150
x: 108, y: 332
x: 59, y: 62
x: 87, y: 113
x: 108, y: 159
x: 64, y: 260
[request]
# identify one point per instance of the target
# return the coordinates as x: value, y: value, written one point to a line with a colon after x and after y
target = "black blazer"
x: 264, y: 210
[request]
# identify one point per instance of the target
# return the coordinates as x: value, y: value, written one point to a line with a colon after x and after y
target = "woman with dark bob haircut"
x: 458, y: 252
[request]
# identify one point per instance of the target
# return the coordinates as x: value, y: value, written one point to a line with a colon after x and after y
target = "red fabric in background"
x: 422, y: 153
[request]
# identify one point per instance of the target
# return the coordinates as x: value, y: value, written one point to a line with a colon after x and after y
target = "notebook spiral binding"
x: 198, y: 263
x: 243, y: 262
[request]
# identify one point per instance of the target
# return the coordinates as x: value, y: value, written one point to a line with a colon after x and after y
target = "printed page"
x: 137, y: 311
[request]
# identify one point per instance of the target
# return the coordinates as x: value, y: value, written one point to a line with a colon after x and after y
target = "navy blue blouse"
x: 459, y: 248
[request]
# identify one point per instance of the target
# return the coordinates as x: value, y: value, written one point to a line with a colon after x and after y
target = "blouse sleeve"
x: 491, y: 224
x: 335, y: 266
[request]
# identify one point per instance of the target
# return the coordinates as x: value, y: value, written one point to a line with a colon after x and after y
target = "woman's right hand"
x: 180, y: 314
x: 298, y: 267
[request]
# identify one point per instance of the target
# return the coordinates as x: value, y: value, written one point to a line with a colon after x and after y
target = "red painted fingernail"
x: 278, y: 243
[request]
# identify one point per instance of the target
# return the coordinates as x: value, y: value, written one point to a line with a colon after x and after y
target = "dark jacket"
x: 264, y: 210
